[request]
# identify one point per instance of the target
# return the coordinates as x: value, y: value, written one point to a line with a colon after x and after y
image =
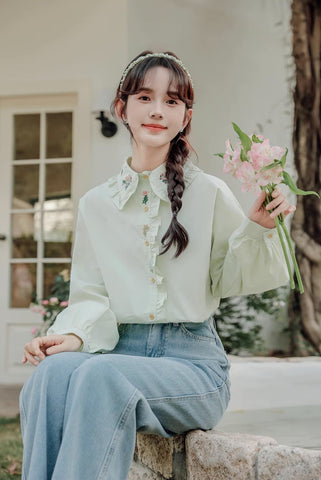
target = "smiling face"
x: 156, y: 104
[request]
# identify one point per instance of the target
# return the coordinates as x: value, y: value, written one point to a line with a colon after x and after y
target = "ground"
x: 10, y: 449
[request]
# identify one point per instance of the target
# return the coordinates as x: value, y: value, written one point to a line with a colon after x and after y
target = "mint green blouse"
x: 118, y: 276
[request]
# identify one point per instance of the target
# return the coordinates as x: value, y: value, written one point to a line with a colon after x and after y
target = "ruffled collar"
x: 122, y: 186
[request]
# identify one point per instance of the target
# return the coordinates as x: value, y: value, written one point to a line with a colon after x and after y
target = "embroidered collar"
x: 122, y: 186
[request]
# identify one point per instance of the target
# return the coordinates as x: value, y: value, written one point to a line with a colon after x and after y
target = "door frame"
x: 81, y: 180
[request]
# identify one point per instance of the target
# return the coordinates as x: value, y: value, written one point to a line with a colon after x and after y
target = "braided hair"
x: 179, y: 149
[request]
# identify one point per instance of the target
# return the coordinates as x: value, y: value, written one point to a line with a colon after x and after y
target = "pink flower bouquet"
x: 259, y: 166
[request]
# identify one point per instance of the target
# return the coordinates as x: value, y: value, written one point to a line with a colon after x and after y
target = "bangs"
x: 178, y: 80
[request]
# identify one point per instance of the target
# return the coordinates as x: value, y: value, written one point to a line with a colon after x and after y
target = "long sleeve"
x: 88, y: 314
x: 246, y: 258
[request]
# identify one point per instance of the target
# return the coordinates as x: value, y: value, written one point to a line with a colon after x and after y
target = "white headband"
x: 162, y: 55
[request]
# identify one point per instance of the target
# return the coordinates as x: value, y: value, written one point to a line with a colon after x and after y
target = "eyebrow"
x: 146, y: 89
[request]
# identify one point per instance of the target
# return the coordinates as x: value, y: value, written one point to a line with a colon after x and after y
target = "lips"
x: 154, y: 126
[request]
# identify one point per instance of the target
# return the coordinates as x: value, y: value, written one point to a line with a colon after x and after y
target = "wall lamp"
x: 102, y: 99
x: 108, y: 128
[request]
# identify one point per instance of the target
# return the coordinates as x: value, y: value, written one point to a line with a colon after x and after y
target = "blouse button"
x: 145, y: 176
x: 146, y: 209
x: 270, y: 235
x: 147, y: 243
x: 153, y: 280
x: 151, y: 316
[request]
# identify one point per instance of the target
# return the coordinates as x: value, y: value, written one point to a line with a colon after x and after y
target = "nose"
x: 156, y: 111
x: 156, y: 115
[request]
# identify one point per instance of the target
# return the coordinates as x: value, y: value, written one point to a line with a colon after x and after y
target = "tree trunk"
x: 306, y: 223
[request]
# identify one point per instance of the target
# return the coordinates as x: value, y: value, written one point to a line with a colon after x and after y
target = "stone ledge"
x: 216, y: 455
x: 262, y: 359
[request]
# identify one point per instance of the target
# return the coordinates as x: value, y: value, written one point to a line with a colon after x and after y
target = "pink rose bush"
x: 260, y: 166
x: 49, y: 309
x: 51, y: 306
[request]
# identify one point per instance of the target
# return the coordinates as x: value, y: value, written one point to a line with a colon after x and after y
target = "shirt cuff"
x: 256, y: 231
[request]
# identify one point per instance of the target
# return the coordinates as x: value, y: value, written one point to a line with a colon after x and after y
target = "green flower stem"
x: 296, y: 267
x: 268, y: 191
x: 279, y: 229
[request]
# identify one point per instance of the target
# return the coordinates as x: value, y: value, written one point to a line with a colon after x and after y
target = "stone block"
x: 139, y: 472
x: 165, y: 456
x: 216, y: 455
x: 284, y: 463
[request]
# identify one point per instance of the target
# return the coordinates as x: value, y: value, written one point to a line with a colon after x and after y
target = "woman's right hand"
x: 40, y: 347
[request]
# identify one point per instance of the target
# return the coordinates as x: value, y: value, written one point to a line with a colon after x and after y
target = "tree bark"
x: 306, y: 223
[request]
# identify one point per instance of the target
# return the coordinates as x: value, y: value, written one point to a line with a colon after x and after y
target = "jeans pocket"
x: 201, y: 331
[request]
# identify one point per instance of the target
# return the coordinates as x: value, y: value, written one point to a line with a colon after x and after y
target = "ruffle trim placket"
x: 154, y: 249
x: 122, y: 187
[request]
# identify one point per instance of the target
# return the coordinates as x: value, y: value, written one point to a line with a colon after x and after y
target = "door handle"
x: 2, y: 236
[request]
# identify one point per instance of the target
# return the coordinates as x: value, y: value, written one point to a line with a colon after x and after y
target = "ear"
x: 188, y: 116
x: 119, y: 108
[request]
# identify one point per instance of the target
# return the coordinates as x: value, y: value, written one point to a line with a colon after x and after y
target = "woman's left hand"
x: 261, y: 215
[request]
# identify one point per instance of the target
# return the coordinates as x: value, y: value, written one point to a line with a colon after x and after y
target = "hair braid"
x: 177, y: 157
x: 130, y: 84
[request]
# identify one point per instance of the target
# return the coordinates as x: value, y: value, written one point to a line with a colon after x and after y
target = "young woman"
x: 156, y: 247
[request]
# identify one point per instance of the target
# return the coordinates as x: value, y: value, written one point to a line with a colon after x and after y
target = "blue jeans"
x: 80, y: 411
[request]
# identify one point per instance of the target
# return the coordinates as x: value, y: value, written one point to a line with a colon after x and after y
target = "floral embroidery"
x: 163, y: 178
x: 146, y: 229
x: 127, y: 180
x: 145, y: 197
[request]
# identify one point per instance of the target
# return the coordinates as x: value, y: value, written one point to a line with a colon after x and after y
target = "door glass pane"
x: 59, y: 135
x: 57, y: 230
x: 24, y: 244
x: 51, y: 270
x: 23, y: 284
x: 25, y: 186
x: 26, y: 136
x: 58, y: 181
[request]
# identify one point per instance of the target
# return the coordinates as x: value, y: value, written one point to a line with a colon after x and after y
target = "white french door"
x: 36, y: 214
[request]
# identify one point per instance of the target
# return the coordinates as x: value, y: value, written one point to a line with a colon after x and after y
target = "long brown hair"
x: 180, y: 147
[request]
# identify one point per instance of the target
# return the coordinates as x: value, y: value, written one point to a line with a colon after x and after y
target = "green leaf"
x: 256, y: 139
x: 245, y: 139
x: 289, y: 182
x: 221, y: 155
x: 243, y: 156
x: 283, y: 159
x: 271, y: 165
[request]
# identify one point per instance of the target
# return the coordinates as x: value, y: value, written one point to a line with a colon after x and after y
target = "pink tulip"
x: 260, y: 154
x: 273, y: 175
x: 45, y: 302
x: 64, y: 303
x: 254, y: 176
x: 247, y: 175
x: 232, y: 160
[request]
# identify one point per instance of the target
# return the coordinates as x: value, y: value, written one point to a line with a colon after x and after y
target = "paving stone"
x: 162, y: 455
x: 288, y: 463
x: 215, y: 455
x: 139, y: 472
